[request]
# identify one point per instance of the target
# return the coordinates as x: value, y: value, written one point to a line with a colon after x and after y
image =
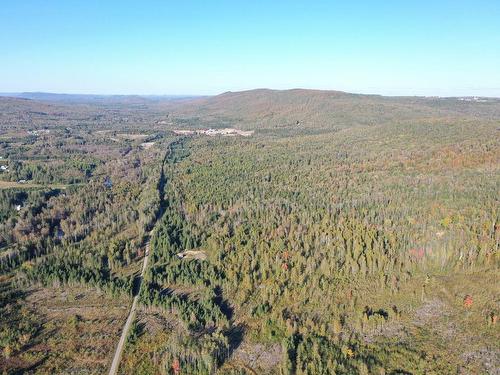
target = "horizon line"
x: 355, y: 92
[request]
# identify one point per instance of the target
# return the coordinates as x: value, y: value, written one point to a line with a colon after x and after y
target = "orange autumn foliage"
x: 468, y: 301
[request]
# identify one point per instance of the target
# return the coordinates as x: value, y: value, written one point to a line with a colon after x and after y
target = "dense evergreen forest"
x: 348, y: 235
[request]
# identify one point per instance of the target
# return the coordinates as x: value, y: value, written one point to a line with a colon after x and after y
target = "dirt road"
x: 131, y: 316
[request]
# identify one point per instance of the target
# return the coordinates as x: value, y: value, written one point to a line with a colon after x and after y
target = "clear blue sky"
x: 407, y: 47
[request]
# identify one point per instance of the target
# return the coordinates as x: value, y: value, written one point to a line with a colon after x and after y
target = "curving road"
x: 131, y: 316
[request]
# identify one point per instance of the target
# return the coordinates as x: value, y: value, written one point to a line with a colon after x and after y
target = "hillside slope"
x: 316, y: 109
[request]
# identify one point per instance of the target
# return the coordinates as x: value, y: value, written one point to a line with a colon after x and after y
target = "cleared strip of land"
x: 128, y: 324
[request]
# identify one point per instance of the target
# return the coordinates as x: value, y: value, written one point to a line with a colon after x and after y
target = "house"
x: 21, y: 181
x: 18, y: 207
x: 4, y: 168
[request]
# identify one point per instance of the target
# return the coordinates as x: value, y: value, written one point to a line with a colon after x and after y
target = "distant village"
x: 473, y: 99
x: 226, y: 132
x: 38, y: 132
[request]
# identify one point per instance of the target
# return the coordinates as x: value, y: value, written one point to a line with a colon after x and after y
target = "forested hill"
x: 316, y: 109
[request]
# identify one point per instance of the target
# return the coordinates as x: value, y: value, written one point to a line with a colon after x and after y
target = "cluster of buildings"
x: 226, y: 132
x: 473, y: 99
x: 38, y: 132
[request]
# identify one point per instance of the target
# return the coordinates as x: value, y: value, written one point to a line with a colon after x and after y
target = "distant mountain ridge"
x: 94, y: 98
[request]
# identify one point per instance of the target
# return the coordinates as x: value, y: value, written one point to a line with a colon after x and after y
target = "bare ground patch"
x: 259, y: 357
x: 79, y: 328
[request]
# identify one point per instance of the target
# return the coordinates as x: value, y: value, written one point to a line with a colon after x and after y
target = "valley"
x: 329, y: 233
